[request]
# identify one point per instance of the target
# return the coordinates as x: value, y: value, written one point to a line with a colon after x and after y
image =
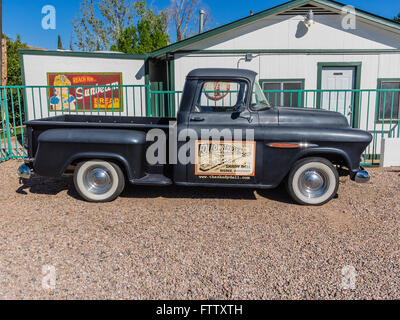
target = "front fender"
x: 58, y: 148
x: 328, y: 152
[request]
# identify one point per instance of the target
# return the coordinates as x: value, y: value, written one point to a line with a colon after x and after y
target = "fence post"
x: 148, y: 102
x: 7, y: 122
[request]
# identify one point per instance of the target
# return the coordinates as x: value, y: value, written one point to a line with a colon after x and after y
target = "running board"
x: 153, y: 179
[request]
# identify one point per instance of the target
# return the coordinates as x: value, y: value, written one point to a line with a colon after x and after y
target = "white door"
x: 338, y: 79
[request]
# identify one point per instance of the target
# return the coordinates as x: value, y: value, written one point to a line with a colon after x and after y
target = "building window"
x: 290, y: 98
x: 389, y: 101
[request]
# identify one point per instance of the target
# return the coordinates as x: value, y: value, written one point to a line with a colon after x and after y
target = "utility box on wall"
x: 390, y: 152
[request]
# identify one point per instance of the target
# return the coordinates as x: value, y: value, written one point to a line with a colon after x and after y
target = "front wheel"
x: 313, y: 181
x: 98, y: 180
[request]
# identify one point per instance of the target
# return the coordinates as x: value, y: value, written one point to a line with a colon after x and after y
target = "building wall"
x: 304, y: 66
x: 326, y: 40
x: 286, y: 66
x: 289, y: 32
x: 37, y: 66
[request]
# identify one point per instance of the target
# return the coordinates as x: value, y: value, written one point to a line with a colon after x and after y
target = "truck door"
x: 225, y: 151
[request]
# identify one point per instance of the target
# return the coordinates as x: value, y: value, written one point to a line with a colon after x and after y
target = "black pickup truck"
x: 226, y: 134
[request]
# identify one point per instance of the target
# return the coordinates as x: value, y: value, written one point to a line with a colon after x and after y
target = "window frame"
x: 378, y: 101
x: 282, y: 81
x: 199, y: 92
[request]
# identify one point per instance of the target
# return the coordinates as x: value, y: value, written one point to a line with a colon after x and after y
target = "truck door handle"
x: 198, y: 119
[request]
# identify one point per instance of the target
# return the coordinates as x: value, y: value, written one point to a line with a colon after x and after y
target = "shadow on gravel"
x: 49, y: 186
x: 279, y: 194
x: 52, y: 187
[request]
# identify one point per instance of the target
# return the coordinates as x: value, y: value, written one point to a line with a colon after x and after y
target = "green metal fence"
x: 375, y: 110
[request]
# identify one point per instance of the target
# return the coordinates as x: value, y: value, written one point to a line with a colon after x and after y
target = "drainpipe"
x: 201, y: 24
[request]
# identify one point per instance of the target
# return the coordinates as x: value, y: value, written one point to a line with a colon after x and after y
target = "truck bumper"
x: 25, y: 171
x: 361, y: 176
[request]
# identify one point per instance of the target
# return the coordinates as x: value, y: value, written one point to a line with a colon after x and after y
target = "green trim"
x: 379, y: 86
x: 362, y: 13
x: 291, y: 51
x: 147, y: 72
x: 301, y: 80
x: 147, y: 83
x: 172, y: 68
x: 357, y: 85
x: 172, y: 81
x: 275, y: 10
x: 83, y: 54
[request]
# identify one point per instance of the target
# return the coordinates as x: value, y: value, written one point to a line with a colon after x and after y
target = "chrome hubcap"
x: 97, y: 180
x: 313, y: 183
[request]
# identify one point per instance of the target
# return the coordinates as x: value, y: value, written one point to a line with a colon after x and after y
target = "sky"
x: 24, y: 17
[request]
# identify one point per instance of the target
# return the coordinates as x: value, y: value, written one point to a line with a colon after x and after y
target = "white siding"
x: 286, y: 32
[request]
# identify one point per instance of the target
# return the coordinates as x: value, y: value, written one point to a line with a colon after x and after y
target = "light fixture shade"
x: 309, y: 19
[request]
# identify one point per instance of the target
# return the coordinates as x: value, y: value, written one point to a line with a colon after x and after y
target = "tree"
x: 59, y: 43
x: 13, y: 62
x: 14, y: 77
x: 397, y: 18
x: 184, y: 16
x: 101, y: 22
x: 149, y: 33
x: 71, y: 43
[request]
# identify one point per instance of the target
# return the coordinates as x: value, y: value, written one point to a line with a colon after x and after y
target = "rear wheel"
x: 98, y: 180
x: 313, y: 181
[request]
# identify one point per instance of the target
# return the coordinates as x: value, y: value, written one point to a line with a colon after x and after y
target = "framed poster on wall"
x: 85, y: 91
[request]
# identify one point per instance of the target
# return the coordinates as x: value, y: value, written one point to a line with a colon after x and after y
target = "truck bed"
x: 91, y: 121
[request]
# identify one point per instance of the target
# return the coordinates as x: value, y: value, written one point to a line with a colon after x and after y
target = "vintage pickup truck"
x: 253, y: 144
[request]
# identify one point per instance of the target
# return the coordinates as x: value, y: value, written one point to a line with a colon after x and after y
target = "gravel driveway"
x: 188, y: 243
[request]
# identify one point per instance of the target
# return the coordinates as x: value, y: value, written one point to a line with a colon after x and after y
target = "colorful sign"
x: 88, y: 92
x: 216, y: 90
x: 225, y: 158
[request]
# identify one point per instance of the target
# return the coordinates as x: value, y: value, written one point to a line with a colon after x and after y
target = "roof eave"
x: 269, y: 12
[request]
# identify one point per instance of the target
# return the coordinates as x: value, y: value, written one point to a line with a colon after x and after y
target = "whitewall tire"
x: 98, y: 180
x: 313, y: 181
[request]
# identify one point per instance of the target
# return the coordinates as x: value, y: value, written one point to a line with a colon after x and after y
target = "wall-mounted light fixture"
x: 309, y: 19
x: 248, y: 58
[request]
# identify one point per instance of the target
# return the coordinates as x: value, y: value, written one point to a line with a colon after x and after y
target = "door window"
x: 221, y: 96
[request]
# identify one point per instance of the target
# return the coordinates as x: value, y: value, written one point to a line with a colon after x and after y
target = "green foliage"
x: 120, y: 25
x: 149, y: 34
x: 14, y: 78
x: 101, y: 22
x: 397, y: 18
x: 59, y: 43
x: 13, y: 62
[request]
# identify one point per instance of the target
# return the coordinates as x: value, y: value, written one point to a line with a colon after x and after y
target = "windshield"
x: 258, y: 100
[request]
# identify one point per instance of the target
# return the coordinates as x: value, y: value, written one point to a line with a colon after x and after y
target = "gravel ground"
x: 188, y: 243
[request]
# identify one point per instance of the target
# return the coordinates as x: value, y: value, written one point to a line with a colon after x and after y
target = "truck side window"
x: 221, y: 96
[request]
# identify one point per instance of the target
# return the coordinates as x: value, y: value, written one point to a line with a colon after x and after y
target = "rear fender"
x: 58, y: 148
